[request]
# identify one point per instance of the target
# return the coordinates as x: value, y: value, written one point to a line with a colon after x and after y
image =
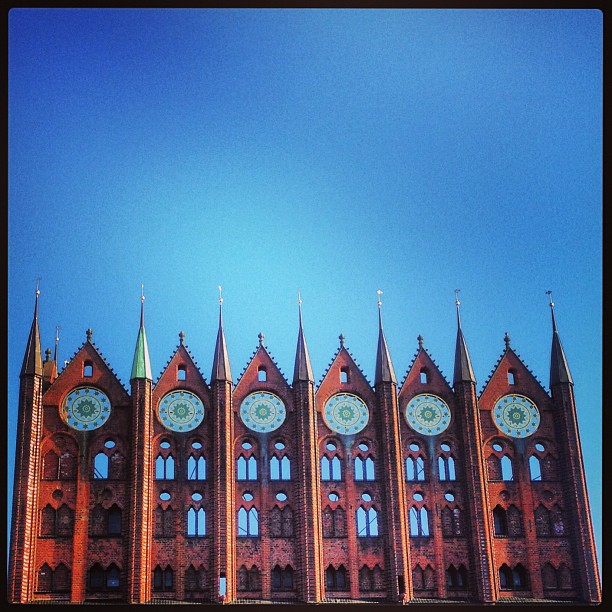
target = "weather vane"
x: 549, y: 294
x: 220, y: 294
x: 457, y: 302
x: 379, y: 294
x: 142, y: 298
x: 299, y: 298
x: 38, y: 279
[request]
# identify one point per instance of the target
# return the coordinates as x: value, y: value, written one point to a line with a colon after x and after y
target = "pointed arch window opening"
x: 164, y: 467
x: 446, y: 468
x: 331, y: 468
x: 367, y: 522
x: 419, y: 522
x: 246, y: 469
x: 248, y: 523
x: 506, y: 468
x: 100, y: 466
x: 163, y: 579
x: 415, y: 469
x: 280, y: 468
x: 196, y: 468
x: 196, y: 522
x: 535, y: 468
x: 364, y: 468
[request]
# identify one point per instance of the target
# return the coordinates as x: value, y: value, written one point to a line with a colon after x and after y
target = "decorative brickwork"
x: 184, y: 490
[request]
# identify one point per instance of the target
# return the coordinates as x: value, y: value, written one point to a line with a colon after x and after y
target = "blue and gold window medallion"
x: 85, y: 408
x: 181, y: 411
x: 262, y: 411
x: 428, y: 414
x: 345, y: 413
x: 516, y: 416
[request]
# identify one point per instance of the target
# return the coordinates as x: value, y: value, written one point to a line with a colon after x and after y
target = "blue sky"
x: 333, y: 151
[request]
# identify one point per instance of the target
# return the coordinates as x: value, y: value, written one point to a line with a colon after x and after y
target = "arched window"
x: 282, y: 579
x: 506, y: 468
x: 247, y: 469
x: 181, y: 373
x: 196, y: 522
x: 415, y: 469
x: 97, y: 578
x: 419, y: 522
x: 262, y: 374
x: 67, y: 466
x: 456, y: 578
x: 423, y: 376
x: 336, y: 579
x: 367, y: 522
x: 511, y: 377
x: 50, y: 466
x: 114, y: 520
x: 494, y: 470
x: 164, y: 468
x: 195, y: 580
x: 113, y: 577
x: 535, y: 470
x: 331, y: 468
x: 556, y: 520
x: 100, y: 466
x: 47, y: 521
x: 505, y: 577
x: 564, y: 577
x: 364, y: 468
x: 542, y: 521
x: 446, y: 467
x: 248, y: 580
x: 163, y: 579
x: 196, y: 469
x: 248, y: 523
x: 344, y: 375
x: 64, y: 524
x: 87, y: 369
x: 334, y: 523
x: 280, y: 469
x: 549, y: 577
x: 500, y: 522
x: 418, y: 578
x: 61, y: 579
x: 45, y: 579
x: 514, y: 519
x: 519, y: 577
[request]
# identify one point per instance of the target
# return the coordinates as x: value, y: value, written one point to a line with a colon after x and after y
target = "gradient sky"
x: 333, y: 151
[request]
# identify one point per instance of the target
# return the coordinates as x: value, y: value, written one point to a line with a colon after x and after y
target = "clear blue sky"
x: 334, y: 151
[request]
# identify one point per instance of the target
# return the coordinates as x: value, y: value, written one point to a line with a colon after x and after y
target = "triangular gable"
x: 181, y: 358
x: 72, y: 375
x: 261, y: 358
x: 498, y: 384
x: 436, y: 382
x: 332, y: 383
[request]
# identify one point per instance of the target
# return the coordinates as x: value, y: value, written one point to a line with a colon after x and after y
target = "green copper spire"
x: 32, y: 360
x: 141, y: 366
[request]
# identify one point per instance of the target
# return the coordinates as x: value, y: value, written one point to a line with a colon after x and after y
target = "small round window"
x: 539, y: 447
x: 281, y: 496
x: 363, y: 446
x: 449, y: 496
x: 330, y: 446
x: 414, y: 447
x: 445, y: 447
x: 366, y: 497
x: 279, y: 445
x: 164, y: 444
x: 164, y: 496
x: 197, y: 445
x: 497, y: 447
x: 333, y: 496
x: 247, y: 496
x: 196, y: 496
x: 247, y: 445
x: 417, y: 496
x: 109, y: 443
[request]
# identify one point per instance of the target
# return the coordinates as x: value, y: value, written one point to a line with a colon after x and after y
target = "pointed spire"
x: 221, y: 365
x: 384, y: 367
x: 302, y: 369
x: 141, y: 366
x: 57, y: 331
x: 32, y: 360
x: 559, y: 370
x: 463, y: 365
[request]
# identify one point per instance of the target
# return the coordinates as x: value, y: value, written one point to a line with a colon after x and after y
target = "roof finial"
x: 507, y: 340
x: 57, y: 331
x: 47, y: 355
x: 261, y: 337
x: 552, y: 309
x: 341, y: 338
x: 89, y: 333
x: 300, y: 307
x: 220, y: 294
x: 142, y: 299
x: 420, y: 341
x: 38, y: 279
x: 457, y: 303
x: 182, y: 337
x: 299, y: 298
x: 379, y: 294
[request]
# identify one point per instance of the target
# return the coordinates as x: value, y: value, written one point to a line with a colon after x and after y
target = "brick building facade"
x: 190, y: 490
